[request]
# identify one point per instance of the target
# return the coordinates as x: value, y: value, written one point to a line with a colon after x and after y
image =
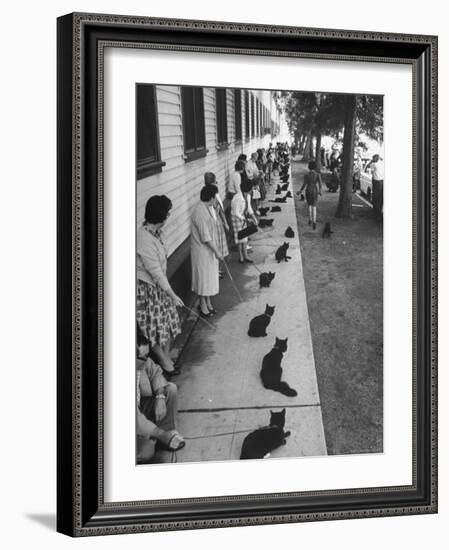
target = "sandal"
x: 175, y: 442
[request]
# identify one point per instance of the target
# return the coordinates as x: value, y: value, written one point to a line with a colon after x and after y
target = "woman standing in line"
x: 312, y: 185
x: 222, y: 224
x: 204, y: 251
x: 241, y: 210
x: 156, y: 301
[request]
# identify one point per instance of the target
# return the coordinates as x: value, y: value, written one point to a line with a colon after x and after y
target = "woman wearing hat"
x: 157, y: 315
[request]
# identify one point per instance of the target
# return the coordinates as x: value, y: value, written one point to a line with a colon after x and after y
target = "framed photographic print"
x: 246, y: 274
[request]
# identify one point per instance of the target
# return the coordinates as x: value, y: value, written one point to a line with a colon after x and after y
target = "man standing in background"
x: 377, y: 171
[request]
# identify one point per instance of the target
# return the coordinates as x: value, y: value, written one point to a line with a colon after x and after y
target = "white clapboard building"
x: 185, y: 131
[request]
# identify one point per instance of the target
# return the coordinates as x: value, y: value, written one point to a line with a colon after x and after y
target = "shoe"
x: 310, y: 222
x: 212, y: 311
x: 241, y: 261
x: 172, y: 441
x: 204, y: 314
x: 248, y: 260
x: 174, y: 372
x: 314, y: 226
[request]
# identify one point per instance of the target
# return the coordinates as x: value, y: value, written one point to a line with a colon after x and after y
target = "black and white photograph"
x: 259, y: 274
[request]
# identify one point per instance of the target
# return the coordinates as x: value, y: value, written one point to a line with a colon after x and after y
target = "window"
x: 193, y: 122
x: 147, y: 132
x: 256, y: 116
x: 252, y: 116
x: 238, y: 114
x: 222, y: 116
x: 247, y: 114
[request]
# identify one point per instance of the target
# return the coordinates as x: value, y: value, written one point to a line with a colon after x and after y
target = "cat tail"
x: 285, y: 389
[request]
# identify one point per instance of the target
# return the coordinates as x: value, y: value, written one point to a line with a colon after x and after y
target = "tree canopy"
x: 314, y: 114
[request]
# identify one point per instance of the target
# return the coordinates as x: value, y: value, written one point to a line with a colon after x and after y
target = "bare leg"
x: 164, y: 360
x: 208, y: 303
x: 245, y: 251
x: 310, y: 214
x: 314, y: 214
x: 242, y: 251
x: 203, y: 305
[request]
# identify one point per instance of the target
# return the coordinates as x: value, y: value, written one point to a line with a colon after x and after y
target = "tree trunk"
x: 308, y: 149
x: 344, y: 208
x: 318, y: 153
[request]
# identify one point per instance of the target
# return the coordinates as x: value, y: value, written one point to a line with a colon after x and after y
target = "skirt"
x: 222, y: 243
x: 238, y: 225
x: 157, y: 315
x: 311, y: 197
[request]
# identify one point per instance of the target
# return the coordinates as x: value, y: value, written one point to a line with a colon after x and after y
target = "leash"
x: 217, y: 435
x: 232, y: 281
x: 198, y: 316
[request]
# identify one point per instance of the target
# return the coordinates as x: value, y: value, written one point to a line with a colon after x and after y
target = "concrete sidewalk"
x: 221, y: 396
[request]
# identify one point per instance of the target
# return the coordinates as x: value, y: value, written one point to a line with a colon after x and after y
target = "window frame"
x: 247, y: 116
x: 148, y: 165
x: 238, y: 136
x: 197, y: 151
x: 221, y: 118
x: 252, y: 120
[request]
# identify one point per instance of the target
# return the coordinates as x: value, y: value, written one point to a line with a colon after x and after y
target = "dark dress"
x: 311, y: 183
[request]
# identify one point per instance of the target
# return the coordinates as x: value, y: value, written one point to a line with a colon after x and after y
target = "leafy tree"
x: 362, y: 114
x: 316, y: 114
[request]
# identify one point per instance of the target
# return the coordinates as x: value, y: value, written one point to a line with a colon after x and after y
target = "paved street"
x: 221, y: 397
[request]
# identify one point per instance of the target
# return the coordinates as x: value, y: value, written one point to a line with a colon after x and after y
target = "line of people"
x: 158, y: 321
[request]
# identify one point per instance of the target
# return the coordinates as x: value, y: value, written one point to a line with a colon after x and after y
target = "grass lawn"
x: 344, y: 287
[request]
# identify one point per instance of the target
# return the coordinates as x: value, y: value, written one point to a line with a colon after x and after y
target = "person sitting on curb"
x: 157, y: 407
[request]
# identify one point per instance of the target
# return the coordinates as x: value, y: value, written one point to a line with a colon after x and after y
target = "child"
x: 312, y: 185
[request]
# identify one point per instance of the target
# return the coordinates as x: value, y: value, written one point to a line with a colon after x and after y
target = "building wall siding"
x: 182, y: 181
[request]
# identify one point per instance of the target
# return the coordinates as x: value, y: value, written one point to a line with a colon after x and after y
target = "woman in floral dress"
x: 157, y: 315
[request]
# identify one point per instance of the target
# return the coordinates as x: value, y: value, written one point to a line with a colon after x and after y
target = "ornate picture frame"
x: 81, y: 508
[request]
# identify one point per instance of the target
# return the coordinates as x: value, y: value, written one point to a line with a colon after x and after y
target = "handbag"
x: 250, y: 229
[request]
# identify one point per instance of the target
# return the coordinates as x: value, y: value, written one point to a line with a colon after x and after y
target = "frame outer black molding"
x: 80, y: 510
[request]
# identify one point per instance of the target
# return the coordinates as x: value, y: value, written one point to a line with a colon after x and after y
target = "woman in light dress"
x: 204, y: 250
x: 222, y: 224
x: 241, y: 211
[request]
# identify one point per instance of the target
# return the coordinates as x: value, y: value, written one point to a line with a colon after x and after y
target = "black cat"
x: 280, y: 199
x: 266, y: 223
x: 266, y: 278
x: 289, y: 232
x: 281, y: 253
x: 284, y: 187
x: 288, y: 194
x: 261, y: 442
x: 278, y: 190
x: 327, y: 230
x: 263, y: 210
x: 271, y: 372
x: 258, y: 325
x: 276, y: 209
